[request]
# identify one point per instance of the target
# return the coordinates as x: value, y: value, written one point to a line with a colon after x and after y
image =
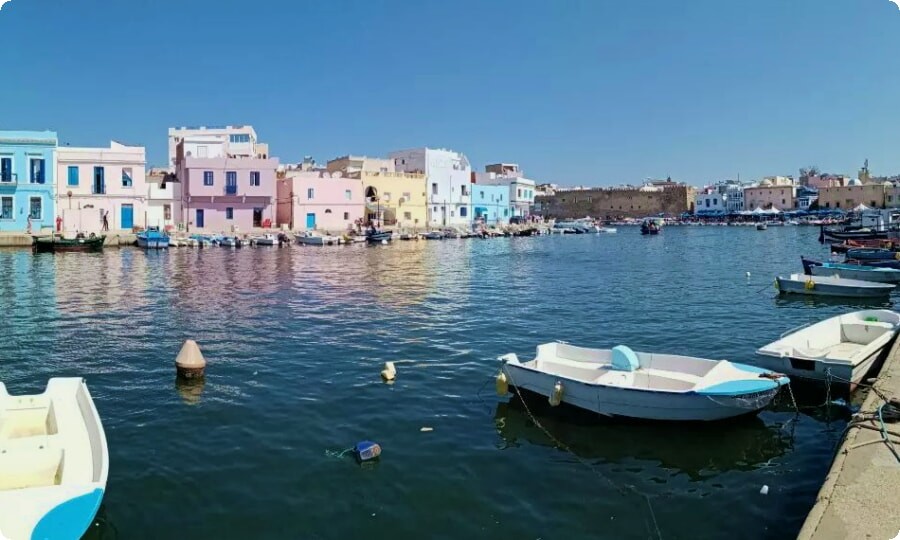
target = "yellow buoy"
x: 810, y: 284
x: 502, y: 384
x: 389, y: 371
x: 557, y: 394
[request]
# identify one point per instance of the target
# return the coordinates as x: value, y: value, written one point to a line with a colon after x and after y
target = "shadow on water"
x: 699, y: 450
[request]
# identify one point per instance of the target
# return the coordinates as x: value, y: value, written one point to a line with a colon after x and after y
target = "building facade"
x: 27, y: 180
x: 490, y: 204
x: 392, y: 198
x: 448, y: 183
x: 766, y: 196
x: 239, y: 141
x: 163, y: 200
x: 224, y: 194
x: 522, y: 191
x: 318, y: 200
x: 850, y: 196
x: 612, y: 203
x: 93, y: 183
x: 806, y: 197
x: 710, y: 202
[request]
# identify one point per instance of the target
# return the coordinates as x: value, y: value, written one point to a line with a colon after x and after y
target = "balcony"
x: 231, y: 189
x: 9, y: 179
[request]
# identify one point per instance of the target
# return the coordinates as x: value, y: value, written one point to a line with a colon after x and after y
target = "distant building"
x: 490, y: 204
x: 163, y: 199
x: 318, y: 200
x: 806, y: 196
x: 392, y: 198
x: 769, y: 194
x: 350, y: 165
x: 27, y: 180
x: 873, y: 195
x: 238, y: 141
x: 222, y: 193
x: 97, y: 182
x: 710, y: 202
x: 611, y: 203
x: 522, y: 191
x: 778, y: 181
x: 448, y: 185
x: 825, y: 180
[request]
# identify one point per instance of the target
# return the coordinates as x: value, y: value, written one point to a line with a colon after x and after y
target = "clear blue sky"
x: 575, y: 91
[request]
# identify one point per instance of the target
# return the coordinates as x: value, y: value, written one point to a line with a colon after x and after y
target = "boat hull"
x: 52, y: 245
x: 875, y: 276
x: 819, y: 288
x: 821, y: 370
x: 639, y: 404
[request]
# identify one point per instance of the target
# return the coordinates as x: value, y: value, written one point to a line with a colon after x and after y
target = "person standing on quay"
x: 106, y: 220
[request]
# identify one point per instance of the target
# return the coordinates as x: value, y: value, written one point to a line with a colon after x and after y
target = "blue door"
x: 199, y: 219
x: 127, y: 216
x: 310, y: 221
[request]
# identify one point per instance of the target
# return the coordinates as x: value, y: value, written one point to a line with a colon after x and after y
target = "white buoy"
x: 502, y: 384
x: 556, y: 395
x: 764, y: 490
x: 190, y: 364
x: 426, y: 429
x: 384, y: 242
x: 389, y: 372
x: 748, y: 274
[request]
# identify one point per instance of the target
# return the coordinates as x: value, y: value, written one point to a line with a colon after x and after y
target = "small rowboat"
x: 844, y: 347
x: 831, y: 286
x: 851, y: 271
x: 620, y: 382
x: 873, y: 254
x: 51, y: 244
x: 53, y: 462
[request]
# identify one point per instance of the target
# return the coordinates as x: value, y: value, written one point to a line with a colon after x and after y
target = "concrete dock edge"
x: 859, y: 496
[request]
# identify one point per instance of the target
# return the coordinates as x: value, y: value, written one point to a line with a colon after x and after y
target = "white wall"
x: 448, y: 183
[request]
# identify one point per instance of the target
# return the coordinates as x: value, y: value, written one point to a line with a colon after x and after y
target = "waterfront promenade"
x: 858, y: 498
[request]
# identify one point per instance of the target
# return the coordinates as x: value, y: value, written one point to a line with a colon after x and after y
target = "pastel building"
x: 237, y: 141
x: 856, y: 193
x: 448, y: 183
x: 766, y: 196
x: 319, y: 200
x: 222, y: 193
x: 392, y: 198
x: 521, y: 189
x: 93, y: 182
x: 163, y: 199
x: 27, y: 180
x: 490, y: 204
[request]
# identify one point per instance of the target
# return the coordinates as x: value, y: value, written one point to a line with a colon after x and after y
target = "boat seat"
x: 78, y: 466
x: 865, y: 332
x: 29, y: 462
x: 25, y: 416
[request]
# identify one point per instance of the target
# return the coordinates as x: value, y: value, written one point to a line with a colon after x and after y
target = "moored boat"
x: 878, y: 274
x: 153, y: 238
x: 831, y: 286
x: 310, y: 238
x: 873, y: 254
x: 378, y: 237
x: 623, y: 383
x: 54, y: 462
x: 55, y: 243
x: 844, y: 347
x: 433, y: 235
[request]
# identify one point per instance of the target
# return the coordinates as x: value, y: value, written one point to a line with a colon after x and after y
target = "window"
x: 434, y: 188
x: 230, y: 183
x: 6, y: 208
x: 519, y: 193
x: 782, y: 201
x: 229, y: 213
x: 328, y: 210
x: 36, y: 208
x: 435, y: 209
x: 348, y: 194
x: 346, y: 216
x: 452, y: 213
x: 311, y: 193
x: 239, y: 138
x: 890, y: 198
x: 202, y: 151
x: 501, y: 198
x: 36, y: 171
x: 481, y: 195
x: 407, y: 216
x: 207, y: 178
x: 99, y: 186
x: 406, y: 196
x: 837, y: 204
x: 6, y: 168
x: 828, y: 205
x: 463, y: 212
x: 126, y: 177
x: 873, y: 205
x: 707, y: 202
x: 167, y: 211
x: 73, y: 175
x: 254, y: 178
x: 465, y: 191
x: 715, y: 202
x: 505, y: 212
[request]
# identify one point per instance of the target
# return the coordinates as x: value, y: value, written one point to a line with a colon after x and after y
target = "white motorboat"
x: 844, y: 347
x: 314, y: 239
x: 607, y: 230
x: 53, y: 462
x: 622, y: 382
x: 832, y: 286
x: 267, y: 239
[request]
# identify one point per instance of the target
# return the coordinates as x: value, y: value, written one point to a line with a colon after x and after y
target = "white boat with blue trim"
x: 623, y: 383
x: 53, y: 462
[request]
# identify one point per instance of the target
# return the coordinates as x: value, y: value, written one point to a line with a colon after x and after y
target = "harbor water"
x: 295, y: 339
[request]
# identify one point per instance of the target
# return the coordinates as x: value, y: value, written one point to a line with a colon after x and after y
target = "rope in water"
x: 581, y: 460
x: 339, y: 454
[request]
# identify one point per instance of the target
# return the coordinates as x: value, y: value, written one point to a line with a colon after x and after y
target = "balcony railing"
x: 9, y: 179
x: 231, y: 189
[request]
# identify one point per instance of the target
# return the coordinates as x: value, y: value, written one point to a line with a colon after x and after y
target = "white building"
x: 163, y: 200
x: 95, y: 182
x: 238, y: 141
x: 448, y: 182
x: 521, y: 189
x: 710, y: 202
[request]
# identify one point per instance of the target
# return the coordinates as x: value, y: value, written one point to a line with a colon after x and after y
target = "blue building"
x: 27, y: 180
x: 490, y: 204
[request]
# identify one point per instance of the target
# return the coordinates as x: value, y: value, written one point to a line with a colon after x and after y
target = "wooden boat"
x: 54, y: 462
x: 625, y: 383
x: 851, y: 271
x: 831, y: 286
x: 829, y: 234
x: 55, y: 243
x: 153, y: 238
x: 844, y: 347
x: 873, y: 254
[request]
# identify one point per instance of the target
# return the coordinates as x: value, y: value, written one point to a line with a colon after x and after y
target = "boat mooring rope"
x: 581, y: 460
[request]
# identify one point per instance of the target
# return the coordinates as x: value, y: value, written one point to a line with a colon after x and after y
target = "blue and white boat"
x: 54, y: 462
x: 878, y: 274
x: 623, y: 383
x: 873, y: 254
x: 153, y: 238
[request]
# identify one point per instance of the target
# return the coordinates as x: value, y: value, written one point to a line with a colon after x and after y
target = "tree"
x: 812, y: 170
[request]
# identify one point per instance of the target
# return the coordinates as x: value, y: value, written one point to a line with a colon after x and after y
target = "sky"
x: 578, y: 92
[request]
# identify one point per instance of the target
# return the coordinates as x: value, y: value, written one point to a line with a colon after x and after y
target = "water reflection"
x: 701, y: 451
x: 190, y: 390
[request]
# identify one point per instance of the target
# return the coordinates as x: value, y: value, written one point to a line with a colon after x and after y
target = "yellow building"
x: 850, y: 196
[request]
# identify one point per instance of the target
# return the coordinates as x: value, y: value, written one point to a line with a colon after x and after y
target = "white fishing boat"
x: 843, y: 347
x: 622, y: 382
x: 831, y: 286
x: 315, y: 239
x: 267, y: 239
x: 53, y: 462
x: 607, y: 230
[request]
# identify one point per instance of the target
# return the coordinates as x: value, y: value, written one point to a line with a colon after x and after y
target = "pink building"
x: 224, y: 194
x: 766, y: 196
x: 320, y: 200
